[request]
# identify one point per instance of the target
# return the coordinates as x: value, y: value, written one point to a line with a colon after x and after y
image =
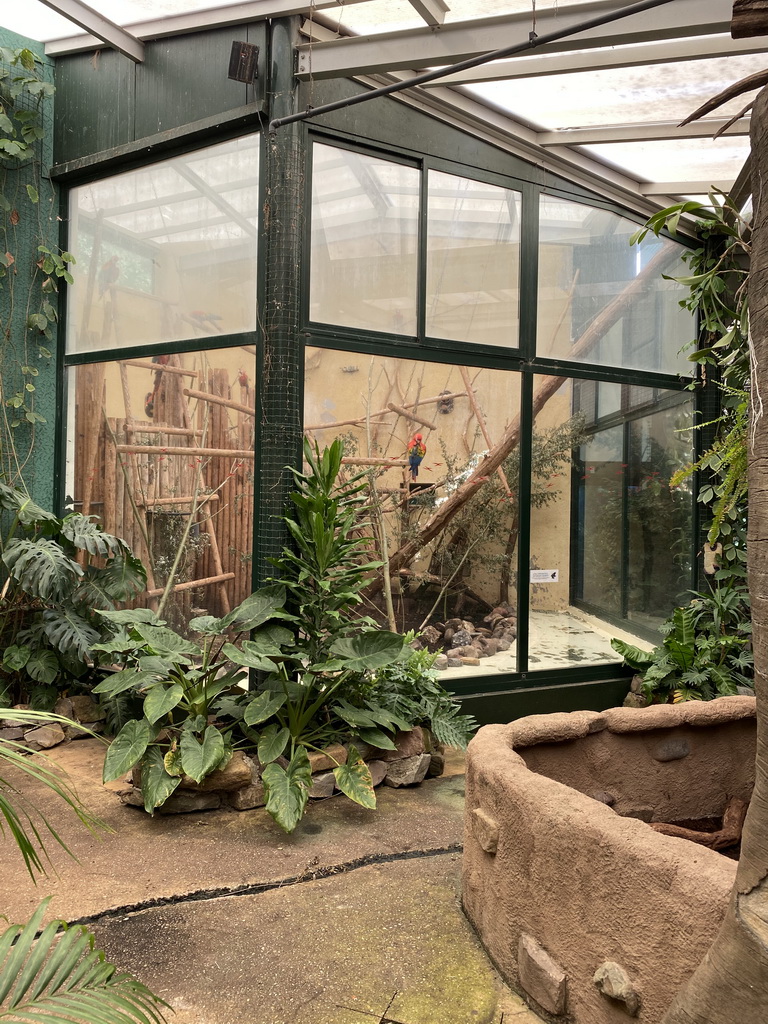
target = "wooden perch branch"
x: 493, y: 459
x: 402, y: 411
x: 383, y: 412
x: 206, y: 396
x: 212, y: 453
x: 146, y: 364
x: 191, y: 584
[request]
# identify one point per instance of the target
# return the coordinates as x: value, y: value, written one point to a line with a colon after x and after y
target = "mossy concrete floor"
x: 353, y: 919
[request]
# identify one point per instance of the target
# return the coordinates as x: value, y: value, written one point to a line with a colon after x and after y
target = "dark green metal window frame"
x: 522, y: 359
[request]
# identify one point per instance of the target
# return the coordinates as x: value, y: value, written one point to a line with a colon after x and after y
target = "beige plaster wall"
x: 545, y: 859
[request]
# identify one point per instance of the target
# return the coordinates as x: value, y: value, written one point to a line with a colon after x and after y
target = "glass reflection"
x: 473, y: 261
x: 166, y: 252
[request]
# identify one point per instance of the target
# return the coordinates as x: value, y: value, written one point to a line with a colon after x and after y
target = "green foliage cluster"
x: 58, y: 574
x: 325, y: 672
x: 706, y: 651
x: 28, y: 317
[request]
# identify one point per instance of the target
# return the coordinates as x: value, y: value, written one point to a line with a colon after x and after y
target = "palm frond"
x: 58, y: 976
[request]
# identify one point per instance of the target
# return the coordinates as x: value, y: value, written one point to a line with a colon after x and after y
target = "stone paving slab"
x: 346, y: 944
x: 385, y: 942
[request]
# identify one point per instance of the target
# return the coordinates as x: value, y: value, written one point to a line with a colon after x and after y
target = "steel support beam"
x: 702, y: 129
x: 681, y: 188
x: 449, y: 44
x: 432, y: 11
x: 666, y: 51
x: 194, y: 21
x: 104, y: 30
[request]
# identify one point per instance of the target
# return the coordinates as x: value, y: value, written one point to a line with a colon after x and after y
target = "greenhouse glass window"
x: 166, y: 252
x: 603, y: 301
x: 473, y: 261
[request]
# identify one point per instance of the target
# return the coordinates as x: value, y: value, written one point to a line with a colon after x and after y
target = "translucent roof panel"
x: 393, y: 15
x: 706, y: 160
x: 613, y: 96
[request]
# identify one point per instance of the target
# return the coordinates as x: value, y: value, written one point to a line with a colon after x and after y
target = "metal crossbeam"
x: 429, y: 47
x: 665, y: 51
x: 681, y: 188
x: 102, y: 28
x: 648, y: 132
x: 432, y: 11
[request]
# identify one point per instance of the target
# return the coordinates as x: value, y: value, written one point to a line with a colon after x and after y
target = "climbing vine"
x: 31, y: 264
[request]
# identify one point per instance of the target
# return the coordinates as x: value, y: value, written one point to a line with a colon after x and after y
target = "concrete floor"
x: 353, y: 919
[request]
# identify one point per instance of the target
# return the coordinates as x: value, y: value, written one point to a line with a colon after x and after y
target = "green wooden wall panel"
x: 391, y: 122
x: 95, y: 106
x: 542, y: 700
x: 104, y: 100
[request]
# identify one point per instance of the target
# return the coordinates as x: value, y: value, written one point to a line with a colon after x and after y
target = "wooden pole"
x: 205, y: 396
x: 153, y: 449
x: 483, y: 427
x: 146, y: 364
x: 191, y: 584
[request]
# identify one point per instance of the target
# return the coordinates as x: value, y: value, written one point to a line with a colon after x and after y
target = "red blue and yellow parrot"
x: 416, y: 452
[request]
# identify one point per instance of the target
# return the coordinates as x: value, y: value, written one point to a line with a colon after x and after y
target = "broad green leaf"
x: 200, y: 759
x: 354, y: 780
x: 356, y: 717
x: 43, y: 666
x: 263, y: 707
x: 15, y: 657
x: 287, y: 790
x: 167, y: 644
x: 126, y: 749
x: 255, y: 610
x: 253, y: 655
x: 376, y: 738
x: 272, y: 743
x: 128, y: 679
x: 172, y: 762
x: 634, y: 656
x: 156, y: 784
x: 162, y: 699
x: 131, y: 616
x: 368, y: 650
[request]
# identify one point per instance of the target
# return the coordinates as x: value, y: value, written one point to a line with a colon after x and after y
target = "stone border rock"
x: 239, y: 784
x: 42, y: 735
x: 594, y: 915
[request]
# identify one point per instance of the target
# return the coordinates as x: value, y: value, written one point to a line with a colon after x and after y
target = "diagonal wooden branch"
x: 598, y: 328
x: 756, y: 81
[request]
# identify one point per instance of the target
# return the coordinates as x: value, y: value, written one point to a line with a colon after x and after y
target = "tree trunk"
x: 597, y: 329
x: 731, y: 984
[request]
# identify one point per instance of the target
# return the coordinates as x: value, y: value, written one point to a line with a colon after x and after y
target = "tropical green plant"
x: 59, y: 573
x: 706, y: 650
x: 316, y: 660
x: 53, y: 973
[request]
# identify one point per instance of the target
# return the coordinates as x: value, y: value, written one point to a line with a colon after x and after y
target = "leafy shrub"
x: 59, y: 574
x: 706, y: 651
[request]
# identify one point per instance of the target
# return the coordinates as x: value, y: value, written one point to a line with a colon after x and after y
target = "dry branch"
x: 756, y: 81
x: 728, y: 835
x: 402, y: 411
x: 750, y: 18
x: 205, y: 396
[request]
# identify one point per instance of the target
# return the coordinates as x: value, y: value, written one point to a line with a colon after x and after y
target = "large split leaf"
x: 84, y: 533
x: 287, y: 789
x: 41, y: 568
x: 68, y: 632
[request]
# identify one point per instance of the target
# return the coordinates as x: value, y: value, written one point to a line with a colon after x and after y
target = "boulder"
x: 323, y: 786
x: 324, y: 760
x: 45, y: 736
x: 247, y: 798
x: 542, y: 977
x: 408, y: 772
x: 613, y: 982
x: 85, y: 709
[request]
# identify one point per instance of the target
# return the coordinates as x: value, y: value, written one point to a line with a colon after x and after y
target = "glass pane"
x: 603, y: 301
x: 169, y: 471
x: 473, y: 262
x: 610, y: 540
x: 363, y: 270
x: 458, y: 586
x: 166, y: 252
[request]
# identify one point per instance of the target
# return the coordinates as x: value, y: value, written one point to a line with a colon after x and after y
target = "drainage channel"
x: 311, y: 873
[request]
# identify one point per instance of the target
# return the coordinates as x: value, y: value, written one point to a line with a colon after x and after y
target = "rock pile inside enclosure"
x: 464, y: 643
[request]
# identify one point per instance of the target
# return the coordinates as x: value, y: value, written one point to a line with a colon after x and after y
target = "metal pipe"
x: 473, y: 62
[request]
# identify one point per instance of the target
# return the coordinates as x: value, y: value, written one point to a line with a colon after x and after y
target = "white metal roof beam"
x: 681, y: 188
x: 102, y: 28
x: 648, y: 132
x: 449, y: 44
x: 432, y: 11
x: 662, y: 52
x: 194, y: 21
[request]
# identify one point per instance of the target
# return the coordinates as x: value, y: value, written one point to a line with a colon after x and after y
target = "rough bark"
x: 597, y: 329
x: 731, y: 984
x: 750, y: 18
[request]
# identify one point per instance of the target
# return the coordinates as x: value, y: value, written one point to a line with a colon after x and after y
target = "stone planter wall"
x: 585, y: 909
x: 239, y: 785
x: 44, y: 735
